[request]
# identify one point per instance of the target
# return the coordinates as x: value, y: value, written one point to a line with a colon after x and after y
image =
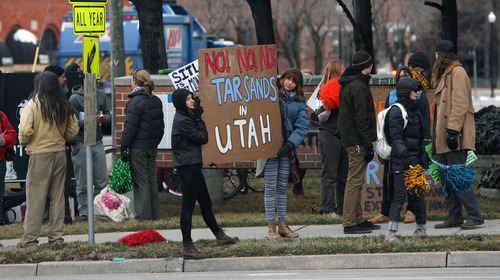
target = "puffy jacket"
x: 295, y: 118
x: 424, y: 108
x: 357, y: 113
x: 408, y: 143
x: 9, y: 136
x: 144, y: 125
x: 188, y: 133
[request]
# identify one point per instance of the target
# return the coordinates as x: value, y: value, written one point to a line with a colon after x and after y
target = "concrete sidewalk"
x: 322, y: 262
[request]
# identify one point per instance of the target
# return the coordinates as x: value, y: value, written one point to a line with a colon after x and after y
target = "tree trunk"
x: 262, y: 16
x: 449, y: 21
x: 363, y: 36
x: 154, y: 54
x: 117, y: 43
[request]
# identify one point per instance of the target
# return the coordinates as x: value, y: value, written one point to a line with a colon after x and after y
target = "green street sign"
x: 89, y: 19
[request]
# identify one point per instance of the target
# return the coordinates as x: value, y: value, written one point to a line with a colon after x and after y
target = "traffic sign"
x: 91, y: 55
x: 88, y: 1
x: 89, y: 19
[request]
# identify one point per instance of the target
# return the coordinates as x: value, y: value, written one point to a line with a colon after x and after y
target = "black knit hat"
x: 361, y: 60
x: 54, y: 69
x: 74, y: 76
x: 445, y: 46
x: 419, y: 59
x: 295, y: 71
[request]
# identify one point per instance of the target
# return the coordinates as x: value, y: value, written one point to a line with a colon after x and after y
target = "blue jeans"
x: 99, y: 173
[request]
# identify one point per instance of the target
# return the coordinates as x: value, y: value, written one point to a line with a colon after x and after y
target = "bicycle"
x: 240, y: 180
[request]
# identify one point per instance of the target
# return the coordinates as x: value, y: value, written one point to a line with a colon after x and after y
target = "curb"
x: 314, y: 262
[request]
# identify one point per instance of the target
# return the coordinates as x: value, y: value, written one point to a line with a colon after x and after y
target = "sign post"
x: 89, y: 139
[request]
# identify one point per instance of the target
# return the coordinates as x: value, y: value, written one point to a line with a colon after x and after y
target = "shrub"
x: 487, y: 130
x: 490, y: 178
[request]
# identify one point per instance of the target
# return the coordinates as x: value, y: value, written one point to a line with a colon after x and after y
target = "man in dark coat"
x: 358, y: 129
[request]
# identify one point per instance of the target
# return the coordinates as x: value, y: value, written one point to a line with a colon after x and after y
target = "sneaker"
x: 356, y: 229
x: 449, y: 223
x: 22, y: 245
x: 392, y: 237
x: 420, y: 231
x: 369, y: 225
x: 83, y: 218
x: 471, y: 224
x: 379, y: 219
x: 409, y: 217
x: 332, y: 215
x: 56, y: 242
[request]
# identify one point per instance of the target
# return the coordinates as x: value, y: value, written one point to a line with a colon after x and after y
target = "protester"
x: 334, y: 160
x: 8, y: 140
x: 403, y: 72
x: 408, y: 150
x: 358, y: 130
x: 419, y: 62
x: 99, y: 167
x: 454, y: 131
x: 276, y: 170
x: 143, y: 130
x: 188, y: 134
x: 71, y: 147
x: 46, y: 124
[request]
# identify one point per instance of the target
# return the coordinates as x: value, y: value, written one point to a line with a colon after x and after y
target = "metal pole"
x: 474, y: 58
x: 90, y: 195
x: 340, y: 40
x: 491, y: 61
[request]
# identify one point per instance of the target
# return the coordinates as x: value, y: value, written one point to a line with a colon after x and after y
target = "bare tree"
x: 263, y: 19
x: 449, y: 20
x: 317, y: 20
x: 150, y: 14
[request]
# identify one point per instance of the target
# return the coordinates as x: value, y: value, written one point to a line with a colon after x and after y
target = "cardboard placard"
x: 241, y: 101
x: 186, y: 77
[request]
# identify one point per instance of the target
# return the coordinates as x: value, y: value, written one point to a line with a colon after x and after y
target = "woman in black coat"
x: 408, y: 149
x: 188, y: 134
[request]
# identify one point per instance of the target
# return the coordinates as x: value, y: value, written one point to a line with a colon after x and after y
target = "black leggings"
x: 194, y: 188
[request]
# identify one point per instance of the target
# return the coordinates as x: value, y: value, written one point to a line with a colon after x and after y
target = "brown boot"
x: 272, y: 230
x: 189, y: 252
x: 223, y: 239
x: 450, y: 222
x: 285, y: 231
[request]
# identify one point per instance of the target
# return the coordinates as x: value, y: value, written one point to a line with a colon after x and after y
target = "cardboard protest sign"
x: 241, y: 101
x: 186, y: 77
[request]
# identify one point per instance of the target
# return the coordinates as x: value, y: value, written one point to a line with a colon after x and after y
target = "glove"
x: 125, y: 155
x: 75, y: 149
x: 284, y: 151
x: 198, y: 110
x: 451, y: 139
x: 426, y: 161
x: 369, y: 154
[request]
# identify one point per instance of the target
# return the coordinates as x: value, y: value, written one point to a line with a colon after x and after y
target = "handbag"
x: 10, y: 154
x: 294, y: 176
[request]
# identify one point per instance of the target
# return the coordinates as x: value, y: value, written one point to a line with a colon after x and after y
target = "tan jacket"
x: 39, y: 136
x: 453, y: 110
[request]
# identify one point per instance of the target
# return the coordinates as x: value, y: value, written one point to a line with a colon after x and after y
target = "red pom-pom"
x: 329, y: 93
x: 145, y: 236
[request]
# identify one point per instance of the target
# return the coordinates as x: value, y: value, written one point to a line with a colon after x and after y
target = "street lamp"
x: 339, y: 11
x: 492, y: 18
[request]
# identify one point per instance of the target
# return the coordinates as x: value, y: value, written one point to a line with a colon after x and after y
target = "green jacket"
x: 357, y: 112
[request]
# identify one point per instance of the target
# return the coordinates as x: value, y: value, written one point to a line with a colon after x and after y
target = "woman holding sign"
x: 276, y: 170
x: 189, y: 132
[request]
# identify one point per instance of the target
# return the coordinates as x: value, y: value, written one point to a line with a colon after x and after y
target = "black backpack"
x: 13, y: 198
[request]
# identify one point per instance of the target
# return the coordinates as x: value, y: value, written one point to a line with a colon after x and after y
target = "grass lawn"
x: 242, y: 210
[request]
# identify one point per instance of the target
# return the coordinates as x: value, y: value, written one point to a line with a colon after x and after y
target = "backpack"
x: 383, y: 146
x: 13, y: 198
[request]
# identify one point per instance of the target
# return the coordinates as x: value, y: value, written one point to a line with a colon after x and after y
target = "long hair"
x: 54, y: 105
x: 296, y: 79
x: 333, y: 69
x: 442, y: 62
x: 142, y: 79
